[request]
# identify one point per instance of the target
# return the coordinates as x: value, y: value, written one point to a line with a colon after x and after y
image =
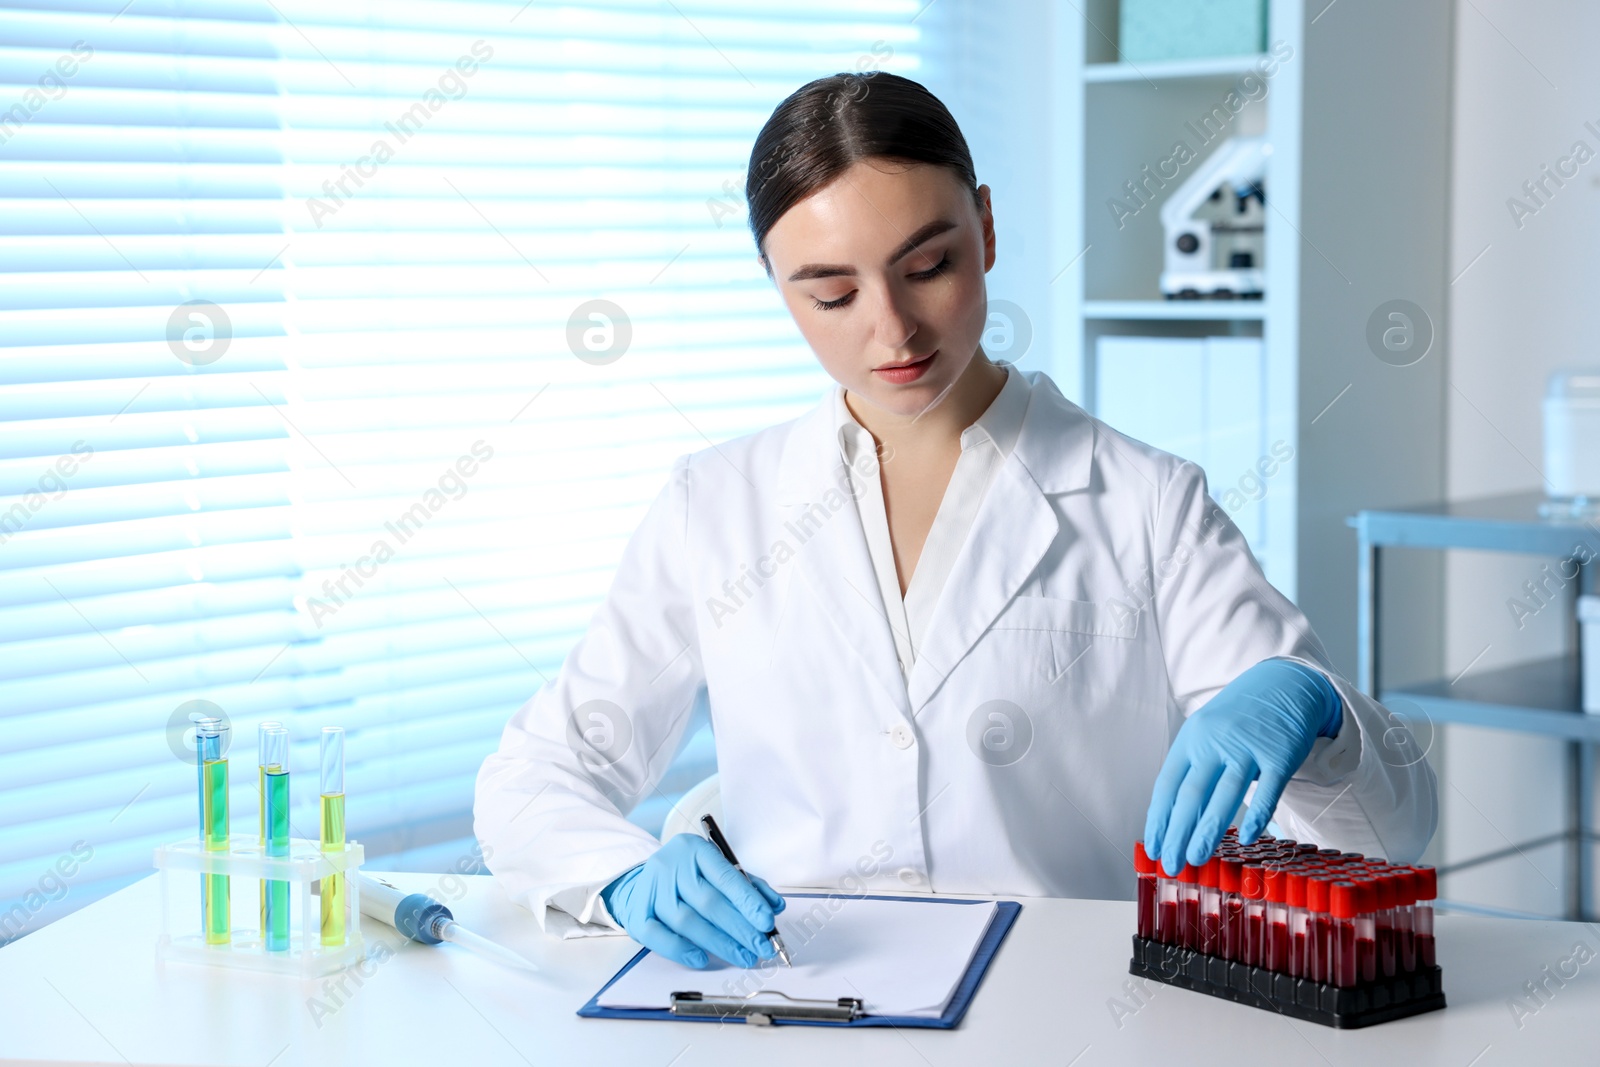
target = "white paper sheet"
x: 899, y: 957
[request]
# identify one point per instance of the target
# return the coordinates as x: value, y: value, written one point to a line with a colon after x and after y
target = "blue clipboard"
x: 1006, y: 912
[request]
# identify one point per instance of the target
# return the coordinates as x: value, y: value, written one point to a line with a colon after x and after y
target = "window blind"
x: 343, y: 346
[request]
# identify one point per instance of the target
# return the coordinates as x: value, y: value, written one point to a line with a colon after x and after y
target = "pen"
x: 715, y: 834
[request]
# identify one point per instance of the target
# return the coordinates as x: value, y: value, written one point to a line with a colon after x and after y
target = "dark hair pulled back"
x: 824, y: 127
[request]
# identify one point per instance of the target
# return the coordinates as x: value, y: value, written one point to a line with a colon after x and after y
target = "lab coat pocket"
x: 1064, y: 630
x: 1074, y: 616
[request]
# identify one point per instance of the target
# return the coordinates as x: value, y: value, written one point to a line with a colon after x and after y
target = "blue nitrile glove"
x: 686, y: 902
x: 1262, y: 724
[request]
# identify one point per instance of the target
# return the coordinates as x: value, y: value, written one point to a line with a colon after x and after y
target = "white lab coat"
x: 1101, y: 596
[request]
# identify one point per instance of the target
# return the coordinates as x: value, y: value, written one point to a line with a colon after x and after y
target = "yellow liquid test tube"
x: 214, y: 888
x: 333, y: 886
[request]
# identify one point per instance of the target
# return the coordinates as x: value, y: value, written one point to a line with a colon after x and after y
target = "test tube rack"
x: 247, y: 865
x: 1346, y: 1008
x: 1278, y: 925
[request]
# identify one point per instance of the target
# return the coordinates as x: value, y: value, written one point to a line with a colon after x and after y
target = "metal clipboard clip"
x: 761, y: 1012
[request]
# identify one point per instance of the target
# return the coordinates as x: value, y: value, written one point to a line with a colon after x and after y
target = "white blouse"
x: 984, y: 446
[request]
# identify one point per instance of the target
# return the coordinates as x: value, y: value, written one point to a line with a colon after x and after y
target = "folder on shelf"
x: 858, y: 961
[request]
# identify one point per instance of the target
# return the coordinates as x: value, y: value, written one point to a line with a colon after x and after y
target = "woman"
x: 947, y: 622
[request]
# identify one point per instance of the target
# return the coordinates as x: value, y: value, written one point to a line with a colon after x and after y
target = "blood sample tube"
x: 1232, y: 935
x: 1318, y: 926
x: 1253, y: 888
x: 1383, y: 918
x: 1166, y: 907
x: 1211, y: 906
x: 1145, y: 892
x: 1189, y: 906
x: 1427, y: 886
x: 1277, y: 922
x: 1404, y: 937
x: 1366, y: 930
x: 1295, y: 898
x: 1329, y: 855
x: 1343, y: 899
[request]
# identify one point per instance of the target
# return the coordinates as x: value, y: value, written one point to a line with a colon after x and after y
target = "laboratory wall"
x: 994, y: 76
x: 1522, y: 304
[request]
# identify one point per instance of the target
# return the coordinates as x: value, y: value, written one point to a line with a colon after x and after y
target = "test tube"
x: 1232, y: 935
x: 1384, y: 919
x: 275, y: 791
x: 1427, y: 886
x: 1253, y: 888
x: 1211, y: 906
x: 333, y: 886
x: 1366, y: 929
x: 1343, y: 899
x: 261, y: 811
x: 1295, y: 898
x: 1405, y: 939
x: 1318, y: 926
x: 1277, y: 921
x: 209, y: 741
x: 1166, y: 907
x: 1145, y: 892
x: 1189, y: 906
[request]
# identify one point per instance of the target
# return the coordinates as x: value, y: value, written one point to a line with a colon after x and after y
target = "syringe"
x: 425, y: 920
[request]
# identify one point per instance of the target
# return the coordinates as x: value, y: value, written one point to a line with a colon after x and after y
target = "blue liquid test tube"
x: 275, y: 817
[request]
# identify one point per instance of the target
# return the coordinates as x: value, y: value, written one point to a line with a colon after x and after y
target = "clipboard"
x: 774, y: 1008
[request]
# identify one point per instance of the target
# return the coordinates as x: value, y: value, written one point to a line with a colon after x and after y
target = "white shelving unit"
x: 1176, y: 310
x: 1355, y: 217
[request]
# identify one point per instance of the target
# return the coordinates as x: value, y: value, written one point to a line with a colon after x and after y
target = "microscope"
x: 1214, y: 226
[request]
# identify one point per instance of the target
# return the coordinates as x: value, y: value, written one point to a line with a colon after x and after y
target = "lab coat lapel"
x: 820, y: 517
x: 1014, y: 528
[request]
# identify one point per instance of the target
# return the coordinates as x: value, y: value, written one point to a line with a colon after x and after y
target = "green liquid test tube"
x: 333, y: 887
x: 275, y: 819
x: 261, y: 811
x: 213, y: 827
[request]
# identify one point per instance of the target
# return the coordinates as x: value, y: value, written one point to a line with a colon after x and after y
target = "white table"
x: 88, y: 989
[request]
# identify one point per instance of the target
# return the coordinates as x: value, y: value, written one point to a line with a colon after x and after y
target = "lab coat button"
x: 901, y: 736
x: 912, y: 877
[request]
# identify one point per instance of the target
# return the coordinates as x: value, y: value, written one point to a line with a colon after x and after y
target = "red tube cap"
x: 1141, y: 861
x: 1275, y: 878
x: 1385, y: 891
x: 1232, y: 874
x: 1295, y: 892
x: 1252, y: 882
x: 1426, y: 880
x: 1343, y: 899
x: 1317, y: 887
x: 1406, y: 885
